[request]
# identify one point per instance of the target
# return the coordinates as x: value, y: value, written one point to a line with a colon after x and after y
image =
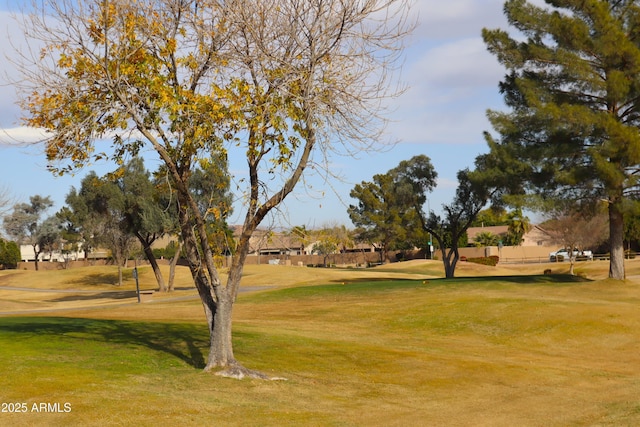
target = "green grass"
x: 512, y: 350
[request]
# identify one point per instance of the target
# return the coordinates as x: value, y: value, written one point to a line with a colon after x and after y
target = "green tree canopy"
x: 26, y: 226
x: 143, y: 215
x: 450, y: 230
x: 490, y: 217
x: 390, y: 209
x: 100, y: 209
x: 9, y: 254
x: 385, y: 211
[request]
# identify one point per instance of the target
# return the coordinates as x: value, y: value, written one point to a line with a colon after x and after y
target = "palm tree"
x: 486, y: 238
x: 519, y: 225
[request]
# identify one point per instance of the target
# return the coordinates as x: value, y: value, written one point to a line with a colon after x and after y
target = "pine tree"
x: 573, y: 90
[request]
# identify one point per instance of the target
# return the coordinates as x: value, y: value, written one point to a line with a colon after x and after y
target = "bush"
x: 491, y: 260
x: 158, y: 253
x: 9, y: 254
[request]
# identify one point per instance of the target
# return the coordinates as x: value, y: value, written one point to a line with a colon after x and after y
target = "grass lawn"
x: 386, y: 346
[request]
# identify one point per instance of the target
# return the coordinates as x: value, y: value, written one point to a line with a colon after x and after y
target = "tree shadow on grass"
x: 98, y: 295
x: 367, y: 285
x: 551, y: 279
x: 534, y: 279
x: 183, y: 341
x: 371, y: 280
x: 115, y: 295
x: 101, y: 279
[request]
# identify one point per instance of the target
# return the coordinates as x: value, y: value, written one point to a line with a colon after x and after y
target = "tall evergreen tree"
x: 386, y: 210
x: 100, y: 207
x: 25, y: 223
x: 379, y: 215
x: 573, y: 90
x: 143, y: 216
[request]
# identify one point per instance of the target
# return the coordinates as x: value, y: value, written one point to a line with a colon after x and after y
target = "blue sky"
x: 452, y: 80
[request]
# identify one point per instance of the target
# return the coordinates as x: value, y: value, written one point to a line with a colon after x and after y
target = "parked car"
x: 563, y: 255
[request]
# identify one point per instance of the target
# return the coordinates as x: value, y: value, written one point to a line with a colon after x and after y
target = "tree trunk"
x: 219, y: 316
x: 217, y: 301
x: 616, y: 237
x: 37, y: 255
x: 172, y: 266
x: 221, y: 345
x: 449, y: 270
x: 154, y: 265
x: 449, y: 263
x: 119, y: 274
x: 572, y: 259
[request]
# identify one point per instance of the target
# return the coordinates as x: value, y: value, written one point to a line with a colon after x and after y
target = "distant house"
x: 269, y: 242
x: 28, y: 255
x: 266, y: 242
x: 536, y: 236
x: 496, y: 230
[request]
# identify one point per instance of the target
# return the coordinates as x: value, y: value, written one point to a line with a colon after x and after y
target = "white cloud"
x: 22, y: 135
x: 446, y: 184
x: 429, y: 126
x: 13, y: 42
x: 464, y: 62
x: 457, y: 18
x: 451, y: 85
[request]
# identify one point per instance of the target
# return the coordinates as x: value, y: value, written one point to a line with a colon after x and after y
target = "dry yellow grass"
x: 499, y: 351
x: 58, y: 290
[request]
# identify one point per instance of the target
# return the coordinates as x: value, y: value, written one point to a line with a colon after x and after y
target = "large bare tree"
x: 6, y: 200
x: 275, y: 80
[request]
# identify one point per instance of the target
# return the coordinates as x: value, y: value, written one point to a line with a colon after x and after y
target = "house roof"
x: 262, y: 240
x: 496, y: 230
x: 536, y: 235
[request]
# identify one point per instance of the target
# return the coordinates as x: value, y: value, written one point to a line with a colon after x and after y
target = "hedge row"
x: 490, y: 260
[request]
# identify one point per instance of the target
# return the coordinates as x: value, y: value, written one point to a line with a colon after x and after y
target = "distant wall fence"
x: 507, y: 255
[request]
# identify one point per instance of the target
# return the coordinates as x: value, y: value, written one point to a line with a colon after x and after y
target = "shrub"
x: 9, y: 254
x: 490, y: 260
x: 158, y: 253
